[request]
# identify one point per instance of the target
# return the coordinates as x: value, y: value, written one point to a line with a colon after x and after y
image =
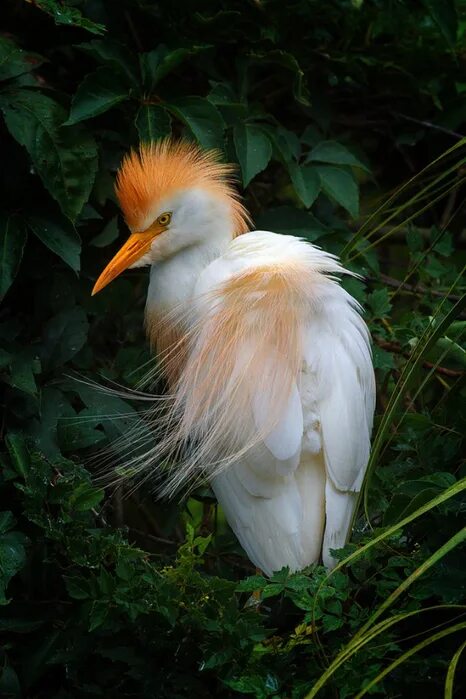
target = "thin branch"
x: 395, y: 347
x: 417, y: 289
x: 151, y: 537
x: 429, y: 125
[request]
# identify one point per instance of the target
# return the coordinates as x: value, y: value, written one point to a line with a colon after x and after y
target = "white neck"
x: 172, y: 281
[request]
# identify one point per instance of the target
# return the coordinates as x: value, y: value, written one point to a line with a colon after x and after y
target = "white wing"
x: 306, y: 467
x: 338, y: 355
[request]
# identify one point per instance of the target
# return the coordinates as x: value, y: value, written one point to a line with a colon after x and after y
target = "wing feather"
x: 338, y: 353
x: 277, y: 395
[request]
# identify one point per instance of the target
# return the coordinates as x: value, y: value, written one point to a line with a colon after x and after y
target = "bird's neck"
x: 171, y: 288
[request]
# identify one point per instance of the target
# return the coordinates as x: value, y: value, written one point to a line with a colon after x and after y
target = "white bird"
x: 267, y: 357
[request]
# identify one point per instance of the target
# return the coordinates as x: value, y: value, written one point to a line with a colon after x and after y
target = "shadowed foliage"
x: 345, y: 120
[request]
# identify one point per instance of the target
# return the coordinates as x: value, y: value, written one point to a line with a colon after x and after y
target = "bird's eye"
x: 164, y: 219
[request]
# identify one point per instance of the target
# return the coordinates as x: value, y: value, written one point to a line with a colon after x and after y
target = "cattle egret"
x: 267, y: 357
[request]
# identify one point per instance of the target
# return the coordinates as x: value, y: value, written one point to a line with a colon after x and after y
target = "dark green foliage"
x: 324, y: 106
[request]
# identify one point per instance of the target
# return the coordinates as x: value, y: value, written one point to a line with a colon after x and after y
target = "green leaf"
x: 65, y: 158
x: 444, y: 14
x: 115, y: 415
x: 63, y: 336
x: 22, y: 372
x: 44, y: 430
x: 253, y: 149
x: 379, y: 303
x: 201, y: 117
x: 113, y: 54
x: 78, y: 432
x: 453, y: 352
x: 69, y: 16
x: 78, y: 588
x: 85, y: 497
x: 98, y: 92
x: 18, y: 452
x: 12, y: 241
x: 153, y: 122
x: 12, y: 559
x: 286, y: 145
x: 288, y: 61
x: 98, y: 614
x: 107, y: 235
x: 252, y: 583
x: 60, y: 236
x: 157, y: 64
x: 7, y: 521
x: 341, y: 186
x: 10, y: 686
x: 305, y: 182
x: 335, y: 153
x: 382, y: 359
x: 15, y: 61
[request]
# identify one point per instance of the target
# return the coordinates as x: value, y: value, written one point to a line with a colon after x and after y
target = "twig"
x: 429, y: 125
x: 151, y: 537
x: 417, y: 289
x: 394, y: 347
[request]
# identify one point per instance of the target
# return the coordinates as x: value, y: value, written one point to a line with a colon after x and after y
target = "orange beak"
x: 135, y: 247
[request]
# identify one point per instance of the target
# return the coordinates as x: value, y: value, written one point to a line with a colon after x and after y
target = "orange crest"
x: 161, y: 168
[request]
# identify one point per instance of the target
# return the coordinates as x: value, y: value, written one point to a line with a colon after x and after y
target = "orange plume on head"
x: 158, y: 169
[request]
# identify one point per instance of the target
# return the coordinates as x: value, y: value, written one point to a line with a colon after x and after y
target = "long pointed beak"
x: 135, y: 247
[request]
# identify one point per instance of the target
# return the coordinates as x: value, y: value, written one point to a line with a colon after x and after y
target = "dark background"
x: 328, y: 109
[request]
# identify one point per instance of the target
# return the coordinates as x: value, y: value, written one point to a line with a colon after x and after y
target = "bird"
x: 267, y: 357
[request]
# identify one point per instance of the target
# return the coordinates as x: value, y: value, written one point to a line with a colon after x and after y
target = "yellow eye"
x: 164, y: 219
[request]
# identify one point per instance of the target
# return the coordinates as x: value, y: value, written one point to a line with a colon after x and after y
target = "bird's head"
x: 173, y: 195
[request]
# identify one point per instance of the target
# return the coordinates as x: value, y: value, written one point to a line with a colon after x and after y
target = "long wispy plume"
x: 245, y: 342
